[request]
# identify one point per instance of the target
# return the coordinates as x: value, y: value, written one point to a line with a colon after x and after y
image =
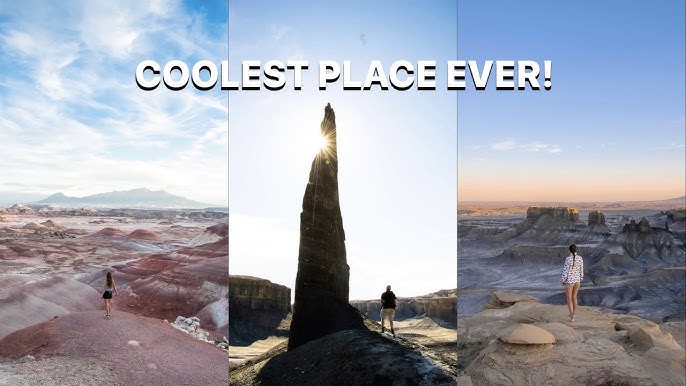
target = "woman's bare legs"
x: 570, y: 302
x: 575, y: 292
x: 108, y: 307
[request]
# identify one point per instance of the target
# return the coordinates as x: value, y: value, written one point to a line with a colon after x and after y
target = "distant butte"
x: 322, y: 285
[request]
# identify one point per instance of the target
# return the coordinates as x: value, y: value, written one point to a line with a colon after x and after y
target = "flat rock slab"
x: 526, y: 334
x: 562, y: 332
x: 593, y: 362
x: 508, y: 297
x: 586, y: 318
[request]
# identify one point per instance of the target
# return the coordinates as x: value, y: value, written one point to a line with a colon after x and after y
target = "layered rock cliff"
x: 440, y: 306
x: 256, y: 308
x: 536, y: 212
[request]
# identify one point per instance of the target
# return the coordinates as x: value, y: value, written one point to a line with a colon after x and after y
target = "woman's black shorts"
x: 107, y: 295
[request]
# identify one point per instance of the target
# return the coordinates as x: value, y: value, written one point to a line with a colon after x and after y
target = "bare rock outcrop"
x: 143, y: 234
x: 677, y: 215
x: 52, y: 224
x: 210, y: 235
x: 256, y: 308
x: 562, y: 212
x: 596, y: 218
x: 501, y: 299
x: 597, y: 349
x: 350, y: 357
x: 322, y: 284
x: 642, y: 226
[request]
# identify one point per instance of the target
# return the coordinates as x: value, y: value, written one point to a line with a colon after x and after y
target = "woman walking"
x: 572, y: 276
x: 108, y: 287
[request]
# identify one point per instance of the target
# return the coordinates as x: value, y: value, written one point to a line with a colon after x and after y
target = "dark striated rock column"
x: 596, y: 218
x: 321, y: 288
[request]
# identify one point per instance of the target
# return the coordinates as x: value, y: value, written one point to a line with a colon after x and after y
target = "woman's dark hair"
x: 109, y: 279
x: 572, y: 248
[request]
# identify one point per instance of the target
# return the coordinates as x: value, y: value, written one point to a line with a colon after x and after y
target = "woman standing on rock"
x: 108, y: 287
x: 572, y: 276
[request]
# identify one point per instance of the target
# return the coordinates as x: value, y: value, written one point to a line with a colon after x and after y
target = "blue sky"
x: 397, y: 150
x: 611, y: 128
x: 72, y: 118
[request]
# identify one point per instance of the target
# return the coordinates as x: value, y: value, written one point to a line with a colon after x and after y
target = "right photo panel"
x: 571, y: 193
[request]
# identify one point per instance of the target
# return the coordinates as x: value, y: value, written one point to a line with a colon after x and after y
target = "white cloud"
x: 508, y: 144
x: 534, y: 147
x: 671, y: 146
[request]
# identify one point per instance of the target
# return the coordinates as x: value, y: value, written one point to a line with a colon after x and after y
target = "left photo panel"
x: 113, y: 193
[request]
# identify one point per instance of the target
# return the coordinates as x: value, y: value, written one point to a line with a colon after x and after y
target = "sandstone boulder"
x: 648, y: 337
x: 526, y: 334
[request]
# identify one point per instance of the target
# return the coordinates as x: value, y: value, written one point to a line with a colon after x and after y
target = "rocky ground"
x: 517, y: 340
x: 84, y: 348
x: 421, y: 330
x: 350, y: 357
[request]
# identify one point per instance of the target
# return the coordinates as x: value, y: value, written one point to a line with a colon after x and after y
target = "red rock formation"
x: 143, y: 234
x: 109, y: 232
x: 52, y: 224
x: 187, y: 282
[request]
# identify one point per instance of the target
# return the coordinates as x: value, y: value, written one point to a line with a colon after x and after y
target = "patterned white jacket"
x: 576, y: 273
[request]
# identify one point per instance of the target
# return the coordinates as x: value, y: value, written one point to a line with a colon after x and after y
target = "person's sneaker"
x: 383, y: 329
x: 392, y: 332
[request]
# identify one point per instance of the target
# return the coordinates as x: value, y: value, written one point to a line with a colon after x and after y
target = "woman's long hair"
x: 572, y: 248
x: 110, y: 281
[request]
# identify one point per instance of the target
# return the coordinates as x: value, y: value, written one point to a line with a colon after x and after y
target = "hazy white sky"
x: 72, y: 118
x: 397, y: 150
x: 611, y: 128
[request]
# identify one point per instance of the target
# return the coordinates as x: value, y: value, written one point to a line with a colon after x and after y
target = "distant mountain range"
x: 136, y: 198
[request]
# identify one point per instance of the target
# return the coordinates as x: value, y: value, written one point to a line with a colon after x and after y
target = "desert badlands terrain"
x: 169, y: 322
x: 513, y: 324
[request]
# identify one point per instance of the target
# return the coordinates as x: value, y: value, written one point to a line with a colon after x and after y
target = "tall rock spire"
x: 322, y: 285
